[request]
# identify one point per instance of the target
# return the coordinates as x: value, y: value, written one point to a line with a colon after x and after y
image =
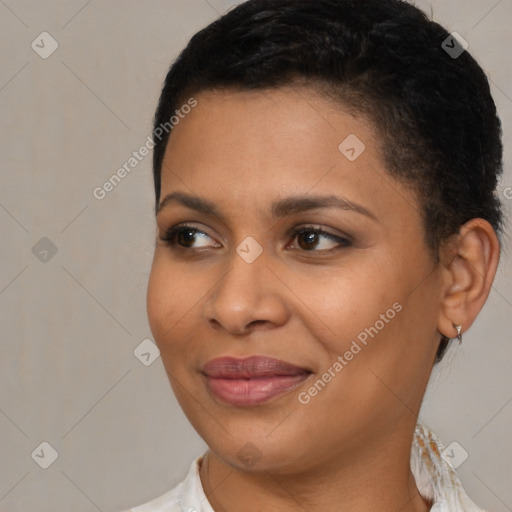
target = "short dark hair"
x: 433, y: 112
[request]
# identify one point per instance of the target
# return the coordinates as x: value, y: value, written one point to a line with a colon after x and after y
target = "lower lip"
x: 253, y: 391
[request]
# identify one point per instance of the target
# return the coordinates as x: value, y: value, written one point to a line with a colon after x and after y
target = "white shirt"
x: 435, y: 478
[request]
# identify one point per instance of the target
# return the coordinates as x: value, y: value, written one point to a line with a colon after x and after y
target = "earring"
x: 459, y: 332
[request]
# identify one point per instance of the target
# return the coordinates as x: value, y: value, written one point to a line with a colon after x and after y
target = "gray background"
x: 68, y: 374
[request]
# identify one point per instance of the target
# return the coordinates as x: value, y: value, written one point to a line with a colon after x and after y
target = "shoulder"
x: 436, y: 478
x: 168, y: 502
x: 187, y: 495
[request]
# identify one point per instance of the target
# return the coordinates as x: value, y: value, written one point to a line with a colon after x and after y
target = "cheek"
x: 385, y: 342
x: 164, y: 294
x: 173, y: 300
x: 367, y: 312
x: 155, y: 301
x: 353, y: 301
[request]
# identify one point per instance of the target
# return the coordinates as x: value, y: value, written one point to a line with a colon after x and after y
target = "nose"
x: 248, y: 297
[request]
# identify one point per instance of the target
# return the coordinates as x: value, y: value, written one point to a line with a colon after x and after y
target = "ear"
x: 469, y: 262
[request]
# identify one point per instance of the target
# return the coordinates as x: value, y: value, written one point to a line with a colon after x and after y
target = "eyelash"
x: 170, y: 237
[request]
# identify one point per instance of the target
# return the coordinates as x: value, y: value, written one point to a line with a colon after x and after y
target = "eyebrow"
x: 281, y: 208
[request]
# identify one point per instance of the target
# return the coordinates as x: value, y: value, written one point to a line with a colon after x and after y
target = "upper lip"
x: 250, y: 367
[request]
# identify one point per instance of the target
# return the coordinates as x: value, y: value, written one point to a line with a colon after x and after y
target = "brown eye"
x: 309, y: 239
x: 184, y: 237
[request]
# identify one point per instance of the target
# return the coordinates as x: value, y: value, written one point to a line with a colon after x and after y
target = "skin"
x: 348, y: 449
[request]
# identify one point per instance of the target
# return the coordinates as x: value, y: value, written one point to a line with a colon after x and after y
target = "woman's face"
x: 355, y: 308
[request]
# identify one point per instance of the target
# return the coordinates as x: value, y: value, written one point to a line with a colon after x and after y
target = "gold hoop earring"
x: 459, y: 332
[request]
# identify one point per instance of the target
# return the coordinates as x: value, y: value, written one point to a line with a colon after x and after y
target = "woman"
x: 324, y: 175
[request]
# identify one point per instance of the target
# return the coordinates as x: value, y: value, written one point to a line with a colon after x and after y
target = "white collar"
x: 435, y: 478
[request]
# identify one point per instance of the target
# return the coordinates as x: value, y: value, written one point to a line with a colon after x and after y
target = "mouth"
x: 253, y: 380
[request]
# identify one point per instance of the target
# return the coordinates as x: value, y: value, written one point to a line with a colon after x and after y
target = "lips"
x: 252, y: 380
x: 250, y: 367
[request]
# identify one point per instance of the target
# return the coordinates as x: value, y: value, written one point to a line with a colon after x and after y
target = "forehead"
x: 250, y: 147
x: 268, y: 133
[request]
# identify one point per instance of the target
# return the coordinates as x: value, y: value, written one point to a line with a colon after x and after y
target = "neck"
x: 373, y: 478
